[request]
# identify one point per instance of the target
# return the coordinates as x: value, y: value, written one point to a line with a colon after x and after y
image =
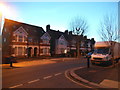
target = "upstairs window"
x: 45, y: 42
x: 61, y: 42
x: 29, y: 39
x: 25, y: 38
x: 20, y: 38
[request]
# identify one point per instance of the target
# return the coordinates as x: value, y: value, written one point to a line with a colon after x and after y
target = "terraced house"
x: 64, y: 43
x: 24, y: 40
x: 58, y: 42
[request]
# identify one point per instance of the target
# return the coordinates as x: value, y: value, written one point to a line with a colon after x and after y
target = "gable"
x: 20, y: 31
x: 46, y: 36
x: 62, y: 38
x: 73, y: 41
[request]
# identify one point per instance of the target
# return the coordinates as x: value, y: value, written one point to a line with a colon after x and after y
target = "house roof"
x: 32, y: 30
x: 54, y: 34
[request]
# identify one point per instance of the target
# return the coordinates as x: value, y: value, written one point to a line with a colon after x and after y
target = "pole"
x: 11, y: 64
x: 88, y: 62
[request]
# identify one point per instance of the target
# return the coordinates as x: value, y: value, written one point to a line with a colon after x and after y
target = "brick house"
x: 86, y: 45
x: 58, y: 42
x: 45, y: 44
x: 65, y: 43
x: 22, y: 40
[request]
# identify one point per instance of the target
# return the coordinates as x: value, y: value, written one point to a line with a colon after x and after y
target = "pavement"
x: 32, y: 62
x: 97, y: 76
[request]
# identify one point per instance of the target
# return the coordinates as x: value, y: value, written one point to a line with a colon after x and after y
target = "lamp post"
x: 88, y: 54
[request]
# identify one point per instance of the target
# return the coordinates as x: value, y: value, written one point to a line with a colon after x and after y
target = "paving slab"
x: 110, y: 83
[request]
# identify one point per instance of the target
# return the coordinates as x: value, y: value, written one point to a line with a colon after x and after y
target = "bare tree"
x: 109, y: 32
x: 78, y: 27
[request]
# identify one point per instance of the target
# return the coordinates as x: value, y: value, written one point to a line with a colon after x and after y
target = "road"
x: 41, y: 76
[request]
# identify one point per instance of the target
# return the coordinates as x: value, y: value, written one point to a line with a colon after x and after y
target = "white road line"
x: 34, y: 81
x: 16, y: 86
x: 57, y: 74
x: 47, y: 77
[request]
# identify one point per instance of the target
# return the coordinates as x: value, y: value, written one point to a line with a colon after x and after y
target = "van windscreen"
x: 101, y: 51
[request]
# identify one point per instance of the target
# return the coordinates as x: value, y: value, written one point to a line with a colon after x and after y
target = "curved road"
x: 41, y: 76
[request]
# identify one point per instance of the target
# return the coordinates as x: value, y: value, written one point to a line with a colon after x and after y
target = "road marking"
x: 57, y: 74
x: 16, y: 86
x: 47, y: 77
x: 34, y: 81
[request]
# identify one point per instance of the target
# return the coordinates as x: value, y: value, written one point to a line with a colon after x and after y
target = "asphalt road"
x: 41, y: 76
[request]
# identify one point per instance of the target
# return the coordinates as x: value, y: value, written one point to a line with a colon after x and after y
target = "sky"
x: 60, y: 14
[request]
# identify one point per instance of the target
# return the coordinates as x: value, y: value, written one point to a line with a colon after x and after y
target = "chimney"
x: 66, y: 31
x: 48, y: 27
x: 85, y: 37
x: 70, y: 32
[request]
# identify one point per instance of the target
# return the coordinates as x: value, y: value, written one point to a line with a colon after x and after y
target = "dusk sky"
x: 59, y: 14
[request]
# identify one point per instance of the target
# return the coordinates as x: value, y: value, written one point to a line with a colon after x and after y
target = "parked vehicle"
x: 102, y: 53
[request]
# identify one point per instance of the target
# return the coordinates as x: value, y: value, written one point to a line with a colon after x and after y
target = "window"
x: 20, y: 38
x: 20, y: 51
x: 5, y: 29
x: 61, y: 42
x: 62, y: 50
x: 15, y: 38
x: 45, y: 51
x: 15, y: 50
x: 29, y: 39
x: 25, y: 38
x: 41, y: 50
x: 25, y: 50
x: 45, y: 41
x: 4, y: 39
x: 48, y: 50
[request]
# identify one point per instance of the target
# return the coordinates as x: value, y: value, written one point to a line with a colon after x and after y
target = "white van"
x: 102, y: 53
